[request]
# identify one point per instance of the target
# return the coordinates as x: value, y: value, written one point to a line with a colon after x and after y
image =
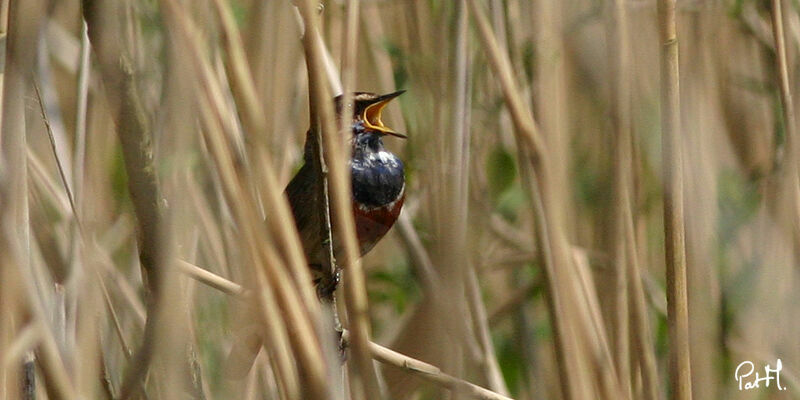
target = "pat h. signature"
x: 746, y: 379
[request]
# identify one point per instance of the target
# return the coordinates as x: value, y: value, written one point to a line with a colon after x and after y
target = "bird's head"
x: 366, y: 109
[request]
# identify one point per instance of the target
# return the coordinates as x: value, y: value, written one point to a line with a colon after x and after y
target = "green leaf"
x: 501, y: 170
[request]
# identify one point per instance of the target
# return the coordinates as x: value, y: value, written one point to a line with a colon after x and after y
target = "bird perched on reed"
x: 378, y: 185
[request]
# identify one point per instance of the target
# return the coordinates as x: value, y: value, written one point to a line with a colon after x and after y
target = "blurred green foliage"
x: 505, y: 190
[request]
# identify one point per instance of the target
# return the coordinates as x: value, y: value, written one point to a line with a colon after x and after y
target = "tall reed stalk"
x: 323, y: 124
x: 581, y: 327
x: 672, y: 173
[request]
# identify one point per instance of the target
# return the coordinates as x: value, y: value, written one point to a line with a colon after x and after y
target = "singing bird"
x: 378, y: 185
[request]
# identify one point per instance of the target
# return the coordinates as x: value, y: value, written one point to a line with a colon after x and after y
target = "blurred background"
x: 461, y: 281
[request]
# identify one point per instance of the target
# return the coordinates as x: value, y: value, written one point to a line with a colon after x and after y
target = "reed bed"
x: 602, y: 199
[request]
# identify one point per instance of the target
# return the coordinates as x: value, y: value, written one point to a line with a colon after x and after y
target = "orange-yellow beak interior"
x: 372, y: 118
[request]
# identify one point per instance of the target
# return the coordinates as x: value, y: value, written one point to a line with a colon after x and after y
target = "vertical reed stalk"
x: 249, y: 107
x: 354, y: 282
x: 787, y: 103
x: 450, y: 204
x: 250, y: 111
x: 3, y: 52
x: 298, y: 317
x: 677, y: 303
x: 78, y: 159
x: 23, y: 24
x: 620, y: 73
x: 349, y: 65
x: 25, y: 18
x: 490, y: 366
x: 364, y: 384
x: 528, y: 138
x: 792, y: 161
x: 577, y: 342
x: 116, y: 69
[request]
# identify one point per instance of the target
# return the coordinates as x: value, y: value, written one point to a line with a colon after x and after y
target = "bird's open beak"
x: 372, y: 114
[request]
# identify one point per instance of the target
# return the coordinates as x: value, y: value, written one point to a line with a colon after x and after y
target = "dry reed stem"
x: 211, y: 279
x: 54, y: 150
x: 787, y: 103
x: 349, y: 65
x: 126, y: 349
x: 250, y: 112
x: 526, y: 131
x: 78, y: 159
x: 599, y: 353
x: 314, y: 141
x: 677, y: 304
x: 432, y: 374
x: 24, y: 18
x: 629, y: 297
x: 554, y: 249
x: 789, y: 120
x: 4, y: 35
x: 286, y: 373
x: 336, y: 156
x: 85, y: 335
x: 46, y: 185
x: 380, y: 353
x: 641, y: 342
x: 451, y: 114
x: 305, y: 341
x: 56, y: 380
x: 616, y: 26
x: 10, y: 313
x: 133, y: 131
x: 452, y: 342
x: 135, y: 137
x: 128, y: 293
x: 491, y: 368
x: 273, y: 320
x: 249, y: 108
x: 358, y: 369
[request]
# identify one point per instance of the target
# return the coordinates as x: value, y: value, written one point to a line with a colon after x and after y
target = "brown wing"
x: 301, y: 192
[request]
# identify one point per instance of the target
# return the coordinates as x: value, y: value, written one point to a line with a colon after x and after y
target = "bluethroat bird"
x: 378, y: 185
